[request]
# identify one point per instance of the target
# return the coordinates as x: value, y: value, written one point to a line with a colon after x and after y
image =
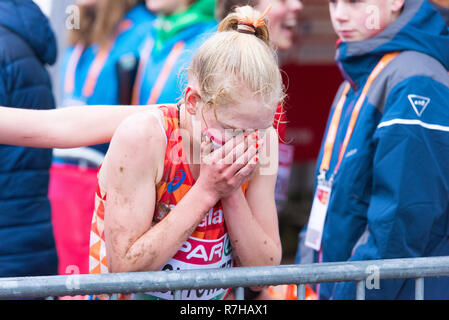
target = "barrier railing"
x: 176, y: 281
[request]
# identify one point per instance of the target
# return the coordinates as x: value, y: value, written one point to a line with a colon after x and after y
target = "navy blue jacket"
x: 390, y: 197
x: 27, y: 43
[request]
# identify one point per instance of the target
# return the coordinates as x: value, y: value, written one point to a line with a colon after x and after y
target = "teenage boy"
x: 383, y: 171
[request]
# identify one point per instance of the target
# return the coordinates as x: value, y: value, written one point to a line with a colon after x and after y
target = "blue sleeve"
x: 3, y: 90
x: 409, y: 201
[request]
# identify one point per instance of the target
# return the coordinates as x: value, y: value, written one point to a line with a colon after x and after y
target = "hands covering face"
x: 225, y: 168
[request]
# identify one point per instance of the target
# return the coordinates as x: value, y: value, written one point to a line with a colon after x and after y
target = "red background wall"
x: 311, y: 90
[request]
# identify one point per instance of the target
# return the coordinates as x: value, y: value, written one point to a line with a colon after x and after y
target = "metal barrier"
x: 359, y: 271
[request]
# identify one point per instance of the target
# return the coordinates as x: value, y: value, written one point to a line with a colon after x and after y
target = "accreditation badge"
x: 317, y: 217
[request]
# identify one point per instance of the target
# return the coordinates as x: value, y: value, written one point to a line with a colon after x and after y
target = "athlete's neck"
x: 191, y: 128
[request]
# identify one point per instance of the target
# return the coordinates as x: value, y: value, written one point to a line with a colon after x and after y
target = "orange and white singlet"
x: 207, y: 247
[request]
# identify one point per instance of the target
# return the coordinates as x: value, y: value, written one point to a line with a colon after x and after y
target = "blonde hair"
x: 230, y: 59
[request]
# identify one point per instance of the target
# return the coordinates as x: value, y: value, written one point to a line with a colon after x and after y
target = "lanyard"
x: 69, y: 82
x: 97, y: 65
x: 148, y: 47
x: 333, y: 127
x: 156, y: 91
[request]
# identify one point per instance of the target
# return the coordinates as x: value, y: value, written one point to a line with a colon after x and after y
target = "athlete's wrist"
x: 207, y: 197
x: 234, y: 196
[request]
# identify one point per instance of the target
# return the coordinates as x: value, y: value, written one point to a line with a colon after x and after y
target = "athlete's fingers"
x: 237, y: 152
x: 221, y: 153
x: 246, y: 171
x: 250, y: 155
x: 206, y: 151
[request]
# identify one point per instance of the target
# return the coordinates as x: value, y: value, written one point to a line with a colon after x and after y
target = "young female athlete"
x: 158, y: 208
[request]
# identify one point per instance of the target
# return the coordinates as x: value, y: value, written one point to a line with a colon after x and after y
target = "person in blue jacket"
x: 98, y: 68
x: 180, y: 28
x: 27, y: 44
x: 382, y: 181
x: 100, y: 50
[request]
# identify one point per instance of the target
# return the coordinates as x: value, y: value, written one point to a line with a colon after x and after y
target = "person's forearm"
x: 159, y: 244
x: 251, y: 244
x: 93, y: 124
x: 69, y: 127
x: 20, y: 126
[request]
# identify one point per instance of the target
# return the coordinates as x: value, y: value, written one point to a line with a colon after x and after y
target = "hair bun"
x: 247, y: 20
x: 247, y: 28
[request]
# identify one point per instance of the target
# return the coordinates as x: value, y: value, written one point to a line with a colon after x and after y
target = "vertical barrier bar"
x: 240, y: 293
x: 177, y: 295
x: 301, y: 292
x: 360, y: 295
x: 419, y: 289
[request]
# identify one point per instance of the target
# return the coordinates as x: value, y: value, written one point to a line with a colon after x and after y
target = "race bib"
x: 197, y: 254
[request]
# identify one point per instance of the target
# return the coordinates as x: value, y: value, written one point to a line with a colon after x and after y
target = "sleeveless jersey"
x: 208, y: 246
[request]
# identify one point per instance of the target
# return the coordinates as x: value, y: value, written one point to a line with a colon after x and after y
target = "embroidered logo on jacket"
x: 419, y: 103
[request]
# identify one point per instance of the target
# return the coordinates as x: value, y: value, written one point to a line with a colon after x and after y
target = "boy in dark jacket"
x: 383, y: 170
x: 27, y: 43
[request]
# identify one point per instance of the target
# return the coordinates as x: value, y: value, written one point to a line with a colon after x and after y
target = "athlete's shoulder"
x: 140, y: 135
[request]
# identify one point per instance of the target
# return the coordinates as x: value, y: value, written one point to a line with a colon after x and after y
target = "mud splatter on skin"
x: 135, y: 256
x: 187, y: 233
x: 122, y: 169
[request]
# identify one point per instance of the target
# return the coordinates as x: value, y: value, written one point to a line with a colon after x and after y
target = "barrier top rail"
x: 71, y: 285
